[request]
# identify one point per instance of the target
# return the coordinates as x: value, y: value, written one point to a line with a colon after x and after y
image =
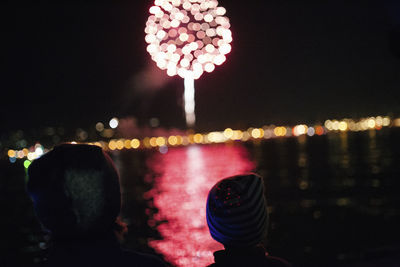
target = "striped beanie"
x: 237, y: 211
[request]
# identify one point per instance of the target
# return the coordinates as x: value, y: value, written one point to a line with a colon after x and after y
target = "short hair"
x: 75, y: 190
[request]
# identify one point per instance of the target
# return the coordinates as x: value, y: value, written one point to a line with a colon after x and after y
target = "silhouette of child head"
x: 236, y: 211
x: 75, y: 191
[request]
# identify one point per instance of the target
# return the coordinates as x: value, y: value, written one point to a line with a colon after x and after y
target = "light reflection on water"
x: 185, y: 175
x: 325, y: 194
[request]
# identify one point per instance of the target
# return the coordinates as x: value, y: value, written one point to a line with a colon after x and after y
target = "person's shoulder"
x: 120, y: 258
x: 277, y: 262
x: 142, y: 259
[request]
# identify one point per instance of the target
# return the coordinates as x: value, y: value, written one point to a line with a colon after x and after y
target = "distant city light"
x: 237, y: 135
x: 135, y: 143
x: 310, y: 131
x: 112, y: 145
x: 198, y: 138
x: 361, y: 125
x: 27, y: 163
x: 386, y: 122
x: 11, y: 153
x: 31, y: 156
x: 280, y: 131
x: 245, y: 136
x: 114, y: 122
x: 153, y: 141
x: 343, y: 126
x: 172, y: 140
x: 127, y: 144
x: 257, y: 133
x: 319, y: 130
x: 120, y: 144
x: 227, y: 135
x: 99, y: 127
x: 39, y: 151
x: 300, y: 130
x: 146, y: 142
x: 160, y: 141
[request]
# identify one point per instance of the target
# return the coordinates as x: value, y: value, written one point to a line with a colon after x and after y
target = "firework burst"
x: 188, y: 38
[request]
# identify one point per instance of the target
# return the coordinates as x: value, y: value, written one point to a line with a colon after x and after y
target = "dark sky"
x: 74, y: 63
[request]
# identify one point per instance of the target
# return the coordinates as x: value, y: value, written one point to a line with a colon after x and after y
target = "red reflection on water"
x: 180, y: 193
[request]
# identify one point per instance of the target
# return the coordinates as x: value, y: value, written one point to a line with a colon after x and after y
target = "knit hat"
x: 236, y: 211
x: 75, y: 190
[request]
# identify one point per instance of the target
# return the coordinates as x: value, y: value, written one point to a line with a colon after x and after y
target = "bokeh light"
x: 99, y: 127
x: 11, y: 153
x: 114, y: 123
x: 396, y: 122
x: 216, y: 137
x: 135, y: 143
x: 228, y: 132
x: 153, y: 141
x: 311, y: 131
x: 198, y: 138
x: 112, y: 145
x: 160, y: 141
x: 300, y: 130
x: 257, y: 133
x: 188, y: 36
x: 39, y: 150
x: 120, y: 144
x: 280, y: 131
x: 27, y: 163
x: 127, y: 144
x: 343, y: 126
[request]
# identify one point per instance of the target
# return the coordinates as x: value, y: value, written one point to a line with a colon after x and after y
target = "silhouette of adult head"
x: 76, y: 195
x: 75, y: 191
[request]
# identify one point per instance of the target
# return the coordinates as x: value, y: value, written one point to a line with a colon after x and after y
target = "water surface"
x: 333, y: 199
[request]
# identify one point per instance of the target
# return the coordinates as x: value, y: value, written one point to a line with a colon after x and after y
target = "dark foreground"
x: 333, y: 199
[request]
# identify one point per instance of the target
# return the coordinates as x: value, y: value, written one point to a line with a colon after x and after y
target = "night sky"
x: 73, y: 63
